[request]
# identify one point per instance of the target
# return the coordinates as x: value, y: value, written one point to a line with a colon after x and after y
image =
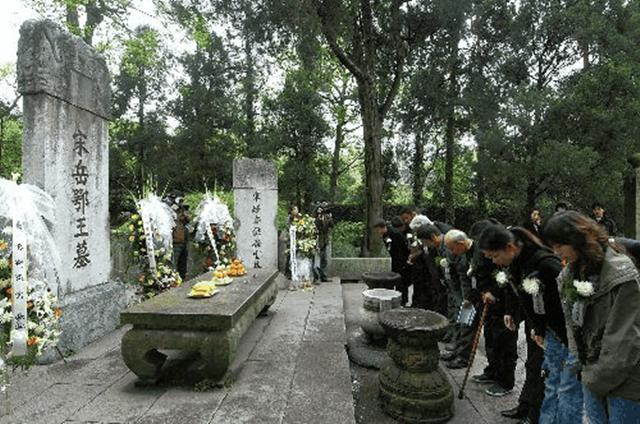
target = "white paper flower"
x: 502, y: 278
x: 531, y: 286
x: 444, y: 263
x: 584, y: 288
x: 470, y: 271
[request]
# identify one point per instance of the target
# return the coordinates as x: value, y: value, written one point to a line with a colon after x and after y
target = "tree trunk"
x: 418, y: 169
x: 450, y: 131
x: 372, y: 131
x: 335, y: 162
x: 250, y: 94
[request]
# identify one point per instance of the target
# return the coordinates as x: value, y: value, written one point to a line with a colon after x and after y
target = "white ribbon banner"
x: 212, y: 240
x: 148, y: 232
x: 292, y: 252
x: 19, y: 335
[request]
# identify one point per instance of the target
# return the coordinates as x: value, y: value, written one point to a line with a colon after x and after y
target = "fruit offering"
x: 221, y: 276
x: 236, y: 269
x: 203, y: 289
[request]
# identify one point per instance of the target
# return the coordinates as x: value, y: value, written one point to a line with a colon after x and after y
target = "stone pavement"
x: 291, y: 367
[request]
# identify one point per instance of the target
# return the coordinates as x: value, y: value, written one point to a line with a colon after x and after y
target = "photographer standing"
x: 324, y: 223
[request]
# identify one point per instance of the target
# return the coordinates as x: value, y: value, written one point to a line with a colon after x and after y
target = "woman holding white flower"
x: 601, y: 295
x: 534, y: 269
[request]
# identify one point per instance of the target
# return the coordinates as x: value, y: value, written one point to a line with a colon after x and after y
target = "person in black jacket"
x: 532, y: 272
x: 534, y: 223
x: 396, y: 244
x: 432, y: 237
x: 601, y: 217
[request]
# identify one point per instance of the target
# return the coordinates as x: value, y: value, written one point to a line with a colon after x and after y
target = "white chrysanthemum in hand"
x: 502, y: 279
x: 584, y: 288
x: 444, y: 263
x: 531, y: 286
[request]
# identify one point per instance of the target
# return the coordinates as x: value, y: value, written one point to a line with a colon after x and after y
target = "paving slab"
x: 54, y: 405
x: 258, y: 396
x: 122, y: 402
x: 184, y: 406
x: 321, y: 388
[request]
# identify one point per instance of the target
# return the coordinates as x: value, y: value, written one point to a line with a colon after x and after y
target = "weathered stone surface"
x: 210, y: 328
x: 61, y: 65
x: 373, y: 302
x: 255, y: 190
x: 413, y: 388
x: 66, y: 97
x: 319, y: 386
x: 351, y: 269
x: 184, y: 406
x: 382, y: 280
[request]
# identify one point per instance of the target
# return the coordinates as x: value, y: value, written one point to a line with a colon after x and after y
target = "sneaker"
x: 483, y: 379
x: 498, y: 391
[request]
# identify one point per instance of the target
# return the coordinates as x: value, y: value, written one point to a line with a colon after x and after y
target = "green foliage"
x: 346, y: 239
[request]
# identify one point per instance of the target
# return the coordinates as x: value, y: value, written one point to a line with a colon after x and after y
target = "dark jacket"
x: 534, y: 228
x: 631, y: 246
x: 396, y: 244
x: 608, y: 224
x: 480, y: 275
x: 608, y: 341
x: 540, y: 263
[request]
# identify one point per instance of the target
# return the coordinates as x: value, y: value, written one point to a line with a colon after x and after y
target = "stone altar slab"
x: 210, y: 328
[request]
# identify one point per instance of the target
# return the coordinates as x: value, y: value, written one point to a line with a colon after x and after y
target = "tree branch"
x: 335, y: 48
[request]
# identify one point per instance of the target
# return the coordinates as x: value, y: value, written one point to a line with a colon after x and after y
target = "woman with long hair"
x: 531, y: 270
x: 600, y: 292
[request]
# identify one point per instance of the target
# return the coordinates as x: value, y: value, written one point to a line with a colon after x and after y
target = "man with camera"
x: 324, y: 223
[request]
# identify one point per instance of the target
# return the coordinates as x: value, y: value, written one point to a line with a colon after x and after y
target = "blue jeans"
x: 620, y: 410
x: 563, y: 402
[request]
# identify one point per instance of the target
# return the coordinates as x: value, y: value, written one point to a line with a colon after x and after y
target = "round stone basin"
x: 373, y: 302
x: 382, y: 280
x: 413, y: 322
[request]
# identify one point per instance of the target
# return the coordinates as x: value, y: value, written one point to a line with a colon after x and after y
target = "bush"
x: 347, y: 239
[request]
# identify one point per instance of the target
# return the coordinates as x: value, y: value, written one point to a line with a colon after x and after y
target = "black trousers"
x: 532, y: 393
x: 501, y: 345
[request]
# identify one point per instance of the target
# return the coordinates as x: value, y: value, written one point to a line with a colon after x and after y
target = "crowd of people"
x: 571, y: 281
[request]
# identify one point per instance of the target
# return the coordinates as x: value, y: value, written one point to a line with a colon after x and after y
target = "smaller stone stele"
x: 382, y: 280
x: 413, y: 388
x: 375, y: 301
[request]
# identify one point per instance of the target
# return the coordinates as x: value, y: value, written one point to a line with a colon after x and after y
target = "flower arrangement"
x: 531, y: 286
x: 502, y: 278
x: 306, y: 235
x: 164, y: 277
x: 43, y: 318
x: 442, y: 262
x: 214, y: 221
x: 578, y: 290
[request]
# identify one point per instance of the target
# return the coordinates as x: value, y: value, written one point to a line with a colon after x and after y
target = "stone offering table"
x: 382, y: 280
x: 374, y: 302
x: 413, y: 389
x: 211, y: 328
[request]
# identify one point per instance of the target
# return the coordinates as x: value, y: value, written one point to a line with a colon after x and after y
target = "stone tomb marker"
x: 66, y: 95
x: 255, y: 189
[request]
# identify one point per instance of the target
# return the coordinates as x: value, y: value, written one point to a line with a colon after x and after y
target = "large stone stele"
x: 66, y: 100
x: 413, y: 388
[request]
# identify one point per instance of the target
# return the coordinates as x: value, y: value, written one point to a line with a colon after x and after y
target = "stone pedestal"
x: 413, y: 389
x: 255, y: 189
x: 373, y: 302
x: 382, y: 280
x: 66, y: 94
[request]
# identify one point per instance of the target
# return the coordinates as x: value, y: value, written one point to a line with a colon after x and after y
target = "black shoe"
x: 483, y: 379
x: 515, y: 413
x: 498, y: 391
x: 457, y: 363
x: 448, y: 355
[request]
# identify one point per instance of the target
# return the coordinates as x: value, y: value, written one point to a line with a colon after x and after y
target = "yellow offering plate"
x: 222, y: 281
x: 203, y: 289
